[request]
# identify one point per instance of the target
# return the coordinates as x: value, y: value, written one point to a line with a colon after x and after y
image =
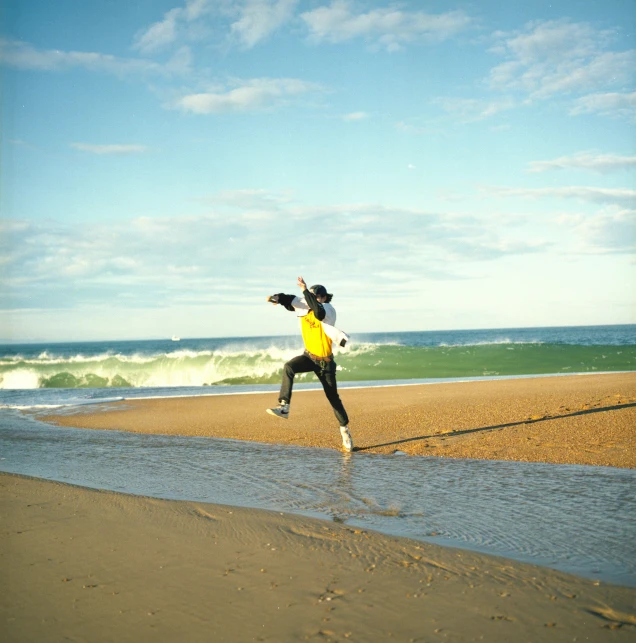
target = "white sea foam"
x: 182, y: 367
x: 273, y: 352
x: 29, y: 407
x: 20, y: 379
x: 496, y: 342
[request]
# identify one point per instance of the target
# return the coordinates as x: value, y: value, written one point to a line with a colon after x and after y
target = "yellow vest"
x: 316, y: 341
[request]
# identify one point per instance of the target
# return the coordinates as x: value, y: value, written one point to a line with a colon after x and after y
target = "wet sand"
x: 88, y: 565
x: 588, y: 419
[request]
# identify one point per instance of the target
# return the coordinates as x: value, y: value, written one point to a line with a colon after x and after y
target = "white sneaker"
x: 282, y: 411
x: 347, y: 443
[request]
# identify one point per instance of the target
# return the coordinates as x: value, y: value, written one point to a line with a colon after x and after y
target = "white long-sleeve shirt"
x: 337, y: 336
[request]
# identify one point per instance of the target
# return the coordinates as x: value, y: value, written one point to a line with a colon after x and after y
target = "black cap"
x: 319, y: 291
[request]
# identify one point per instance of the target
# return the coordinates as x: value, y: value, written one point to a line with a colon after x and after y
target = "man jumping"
x: 317, y: 318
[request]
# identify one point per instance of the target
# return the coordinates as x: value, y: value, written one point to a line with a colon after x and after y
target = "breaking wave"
x: 362, y: 362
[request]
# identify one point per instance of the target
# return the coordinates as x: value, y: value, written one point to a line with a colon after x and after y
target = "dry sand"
x: 588, y: 419
x: 85, y: 565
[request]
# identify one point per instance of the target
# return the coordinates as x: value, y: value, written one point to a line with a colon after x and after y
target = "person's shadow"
x: 602, y: 409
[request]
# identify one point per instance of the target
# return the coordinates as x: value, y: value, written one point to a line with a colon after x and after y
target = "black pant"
x: 327, y: 377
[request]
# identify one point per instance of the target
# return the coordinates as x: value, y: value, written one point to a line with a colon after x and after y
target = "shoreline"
x: 302, y: 386
x: 105, y: 566
x: 570, y: 419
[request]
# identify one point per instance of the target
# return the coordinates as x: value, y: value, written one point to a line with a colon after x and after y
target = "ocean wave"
x: 46, y: 358
x: 174, y: 368
x: 496, y: 342
x: 248, y: 365
x: 228, y: 352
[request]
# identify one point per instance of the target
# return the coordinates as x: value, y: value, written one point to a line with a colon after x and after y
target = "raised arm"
x: 312, y: 302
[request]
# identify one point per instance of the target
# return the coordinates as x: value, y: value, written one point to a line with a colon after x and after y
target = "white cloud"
x: 604, y: 69
x: 249, y: 199
x: 469, y: 110
x: 607, y: 104
x: 390, y: 27
x: 589, y: 194
x: 248, y: 95
x: 560, y: 57
x: 238, y: 238
x: 159, y: 34
x: 586, y: 161
x: 612, y: 230
x: 20, y: 143
x: 416, y: 126
x: 112, y: 149
x: 355, y: 116
x: 197, y: 265
x: 166, y: 31
x: 258, y: 19
x: 550, y: 40
x: 194, y: 9
x: 22, y: 55
x: 555, y: 58
x: 248, y: 22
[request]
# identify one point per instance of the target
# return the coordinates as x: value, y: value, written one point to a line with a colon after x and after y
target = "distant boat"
x: 176, y: 339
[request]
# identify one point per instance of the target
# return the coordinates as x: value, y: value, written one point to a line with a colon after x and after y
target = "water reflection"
x: 573, y: 518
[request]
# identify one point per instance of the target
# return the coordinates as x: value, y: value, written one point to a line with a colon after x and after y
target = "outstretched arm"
x: 282, y: 299
x: 312, y: 302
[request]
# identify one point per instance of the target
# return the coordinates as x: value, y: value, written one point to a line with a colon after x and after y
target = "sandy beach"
x: 88, y: 565
x: 80, y: 564
x: 579, y: 419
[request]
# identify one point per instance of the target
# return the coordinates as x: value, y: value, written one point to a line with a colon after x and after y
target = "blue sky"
x: 437, y: 165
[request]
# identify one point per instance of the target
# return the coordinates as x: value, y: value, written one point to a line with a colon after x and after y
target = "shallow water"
x: 574, y: 518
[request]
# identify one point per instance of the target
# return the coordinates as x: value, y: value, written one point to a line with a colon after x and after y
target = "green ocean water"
x: 408, y: 362
x: 363, y: 363
x: 377, y: 356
